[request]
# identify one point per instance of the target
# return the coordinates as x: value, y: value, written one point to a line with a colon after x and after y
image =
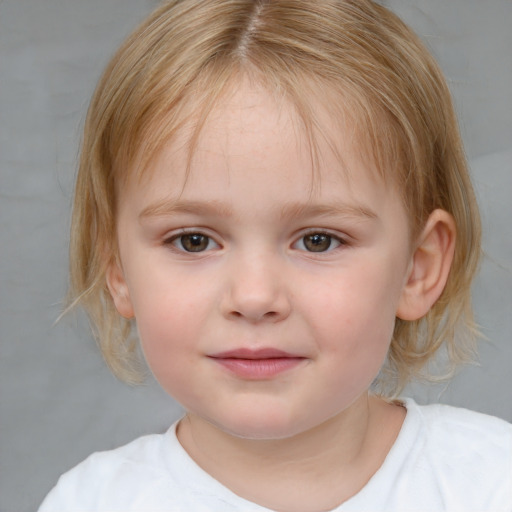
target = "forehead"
x: 251, y: 127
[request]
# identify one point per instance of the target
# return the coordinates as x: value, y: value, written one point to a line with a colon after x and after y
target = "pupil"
x: 194, y: 242
x: 317, y: 242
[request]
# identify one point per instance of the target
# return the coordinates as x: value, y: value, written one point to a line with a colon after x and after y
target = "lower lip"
x: 259, y: 369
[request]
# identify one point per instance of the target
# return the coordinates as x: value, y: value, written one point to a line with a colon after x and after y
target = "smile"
x: 260, y: 364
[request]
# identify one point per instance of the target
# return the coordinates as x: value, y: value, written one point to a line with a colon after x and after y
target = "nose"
x: 257, y: 290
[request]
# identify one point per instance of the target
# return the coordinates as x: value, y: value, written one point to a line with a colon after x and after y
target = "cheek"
x: 165, y: 303
x: 167, y: 348
x: 355, y: 314
x: 355, y: 337
x: 167, y: 322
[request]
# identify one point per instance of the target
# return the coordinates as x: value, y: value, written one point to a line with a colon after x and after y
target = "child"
x: 273, y: 195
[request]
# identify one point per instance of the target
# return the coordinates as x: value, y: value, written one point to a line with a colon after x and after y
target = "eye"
x: 192, y: 242
x: 318, y: 242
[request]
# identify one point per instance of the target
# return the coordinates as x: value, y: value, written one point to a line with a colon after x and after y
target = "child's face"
x: 257, y: 260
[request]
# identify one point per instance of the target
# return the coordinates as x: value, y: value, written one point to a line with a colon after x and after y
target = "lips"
x: 261, y: 364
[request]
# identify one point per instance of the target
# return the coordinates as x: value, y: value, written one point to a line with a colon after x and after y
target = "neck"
x: 314, y: 470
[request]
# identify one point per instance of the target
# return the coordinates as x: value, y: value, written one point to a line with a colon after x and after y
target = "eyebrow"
x: 294, y: 210
x: 289, y: 211
x: 170, y: 207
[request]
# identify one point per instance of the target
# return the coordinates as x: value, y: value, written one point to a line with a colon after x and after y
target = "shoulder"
x: 454, y: 427
x: 153, y: 473
x: 444, y: 459
x: 466, y: 453
x: 111, y: 478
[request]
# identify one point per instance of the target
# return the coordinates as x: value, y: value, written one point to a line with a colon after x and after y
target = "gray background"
x: 58, y: 401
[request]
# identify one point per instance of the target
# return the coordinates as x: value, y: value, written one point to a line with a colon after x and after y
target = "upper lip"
x: 247, y: 353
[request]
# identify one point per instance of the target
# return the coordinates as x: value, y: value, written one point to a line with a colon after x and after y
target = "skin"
x: 309, y: 437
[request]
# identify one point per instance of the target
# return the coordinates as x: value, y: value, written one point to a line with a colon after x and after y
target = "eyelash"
x: 322, y: 236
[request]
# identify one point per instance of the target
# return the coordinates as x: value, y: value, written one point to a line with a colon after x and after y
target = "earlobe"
x: 119, y: 290
x: 429, y: 267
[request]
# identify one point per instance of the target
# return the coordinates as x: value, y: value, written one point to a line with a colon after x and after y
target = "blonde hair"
x: 188, y: 51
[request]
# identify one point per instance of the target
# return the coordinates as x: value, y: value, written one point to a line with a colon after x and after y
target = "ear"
x: 429, y: 267
x: 119, y: 290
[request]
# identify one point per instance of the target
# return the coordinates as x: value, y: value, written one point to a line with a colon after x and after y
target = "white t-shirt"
x: 444, y: 459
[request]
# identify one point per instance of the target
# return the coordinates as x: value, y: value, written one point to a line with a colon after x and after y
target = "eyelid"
x: 341, y: 237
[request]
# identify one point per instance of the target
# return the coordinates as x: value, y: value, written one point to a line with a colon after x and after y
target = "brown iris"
x: 194, y: 242
x: 317, y: 242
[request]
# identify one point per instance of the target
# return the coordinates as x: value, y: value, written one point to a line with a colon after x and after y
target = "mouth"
x: 261, y: 364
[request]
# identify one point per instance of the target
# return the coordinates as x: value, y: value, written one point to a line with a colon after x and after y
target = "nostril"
x: 255, y: 304
x: 269, y: 315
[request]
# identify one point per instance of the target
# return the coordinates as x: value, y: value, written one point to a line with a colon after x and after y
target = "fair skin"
x: 265, y: 300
